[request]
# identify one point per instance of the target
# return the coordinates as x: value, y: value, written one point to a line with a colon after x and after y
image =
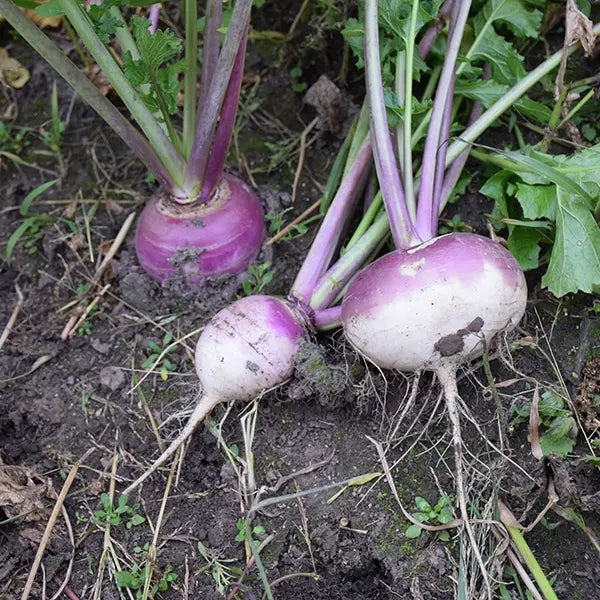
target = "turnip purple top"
x: 457, y: 258
x: 222, y: 238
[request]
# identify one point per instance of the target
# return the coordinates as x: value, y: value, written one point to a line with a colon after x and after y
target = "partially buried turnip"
x: 221, y: 236
x: 246, y: 348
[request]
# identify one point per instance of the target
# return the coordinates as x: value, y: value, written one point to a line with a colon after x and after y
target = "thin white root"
x: 202, y: 409
x: 447, y: 377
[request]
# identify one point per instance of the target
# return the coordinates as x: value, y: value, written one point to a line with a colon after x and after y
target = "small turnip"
x: 246, y: 348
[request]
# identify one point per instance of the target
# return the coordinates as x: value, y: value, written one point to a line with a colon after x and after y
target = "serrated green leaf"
x: 158, y: 48
x: 488, y: 91
x: 506, y: 63
x: 136, y: 71
x: 445, y: 515
x: 537, y: 201
x: 515, y: 14
x: 524, y: 245
x: 575, y: 258
x: 421, y: 516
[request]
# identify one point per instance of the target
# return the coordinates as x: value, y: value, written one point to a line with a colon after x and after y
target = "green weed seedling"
x: 33, y: 226
x: 12, y: 142
x: 260, y: 276
x: 135, y: 578
x: 165, y: 365
x: 560, y: 428
x: 222, y: 573
x: 122, y: 513
x: 52, y: 136
x: 453, y: 225
x: 439, y: 514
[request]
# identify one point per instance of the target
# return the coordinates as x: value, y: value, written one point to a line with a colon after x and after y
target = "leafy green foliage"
x: 165, y: 365
x: 559, y: 431
x: 260, y: 276
x: 122, y: 513
x: 154, y: 68
x: 440, y: 514
x: 135, y: 578
x: 553, y: 220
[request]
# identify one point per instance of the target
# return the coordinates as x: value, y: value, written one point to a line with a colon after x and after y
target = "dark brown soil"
x: 58, y: 399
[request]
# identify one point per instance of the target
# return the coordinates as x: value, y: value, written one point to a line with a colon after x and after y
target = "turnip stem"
x: 401, y: 225
x: 329, y: 285
x: 406, y: 154
x: 204, y: 406
x: 90, y: 94
x: 207, y: 121
x: 210, y: 52
x: 145, y: 119
x: 190, y: 75
x: 328, y: 236
x: 432, y: 33
x: 425, y: 215
x: 328, y: 318
x: 222, y: 138
x: 447, y: 377
x: 454, y: 171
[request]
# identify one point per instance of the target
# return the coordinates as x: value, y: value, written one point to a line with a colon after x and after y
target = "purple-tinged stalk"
x: 425, y: 214
x: 324, y: 245
x: 403, y: 232
x: 207, y: 121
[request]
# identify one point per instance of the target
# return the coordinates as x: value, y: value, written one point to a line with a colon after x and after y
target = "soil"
x: 60, y: 399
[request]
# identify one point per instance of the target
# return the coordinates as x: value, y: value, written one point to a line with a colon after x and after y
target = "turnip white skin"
x: 246, y: 348
x: 220, y: 237
x: 430, y: 306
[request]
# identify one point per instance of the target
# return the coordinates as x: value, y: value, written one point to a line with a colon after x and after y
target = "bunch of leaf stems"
x: 189, y: 165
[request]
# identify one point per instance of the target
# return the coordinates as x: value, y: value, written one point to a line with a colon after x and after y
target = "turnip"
x: 434, y: 302
x: 202, y: 221
x: 246, y: 348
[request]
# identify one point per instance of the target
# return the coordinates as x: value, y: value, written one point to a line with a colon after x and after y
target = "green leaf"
x: 537, y: 201
x: 505, y: 61
x: 488, y: 91
x: 155, y: 49
x: 445, y: 515
x: 422, y: 516
x: 422, y: 504
x: 575, y: 258
x: 135, y: 520
x: 127, y: 580
x: 412, y: 532
x: 515, y: 14
x: 560, y: 438
x: 539, y: 167
x: 47, y: 9
x: 40, y: 189
x: 17, y: 234
x: 136, y: 71
x: 523, y: 243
